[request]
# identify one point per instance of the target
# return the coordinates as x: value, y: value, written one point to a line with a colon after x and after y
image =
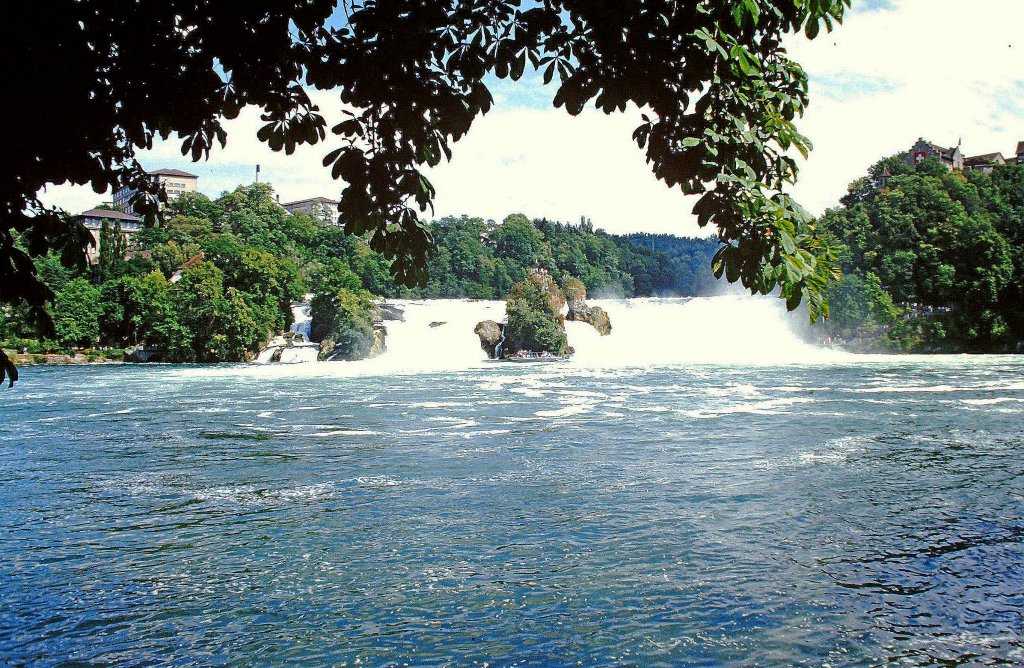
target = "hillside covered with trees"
x: 217, y: 279
x: 933, y: 260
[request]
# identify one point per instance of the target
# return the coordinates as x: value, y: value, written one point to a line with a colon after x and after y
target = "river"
x: 699, y: 488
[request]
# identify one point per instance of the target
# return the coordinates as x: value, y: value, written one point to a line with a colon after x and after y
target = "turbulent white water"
x: 303, y: 320
x: 645, y: 332
x: 670, y: 513
x: 715, y: 330
x: 299, y: 349
x: 414, y: 345
x: 298, y: 353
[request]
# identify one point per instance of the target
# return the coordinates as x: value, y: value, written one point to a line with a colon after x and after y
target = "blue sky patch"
x: 874, y: 5
x: 844, y: 87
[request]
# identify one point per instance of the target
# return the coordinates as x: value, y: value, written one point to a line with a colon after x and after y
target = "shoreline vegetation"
x: 932, y: 259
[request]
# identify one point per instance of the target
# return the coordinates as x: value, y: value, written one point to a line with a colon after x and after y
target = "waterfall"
x: 300, y: 353
x: 736, y: 329
x: 266, y: 354
x: 303, y: 320
x: 296, y: 348
x: 437, y: 335
x: 414, y: 345
x: 500, y: 347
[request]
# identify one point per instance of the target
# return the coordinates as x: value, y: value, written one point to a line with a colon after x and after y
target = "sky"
x: 896, y: 70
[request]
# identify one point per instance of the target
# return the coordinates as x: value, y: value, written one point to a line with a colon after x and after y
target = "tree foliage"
x: 344, y: 317
x: 256, y: 261
x: 947, y: 242
x: 76, y: 314
x: 477, y: 259
x: 111, y: 250
x: 533, y: 311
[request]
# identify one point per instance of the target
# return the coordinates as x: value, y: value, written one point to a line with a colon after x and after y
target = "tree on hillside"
x: 519, y: 241
x: 936, y: 238
x: 76, y: 314
x: 112, y: 249
x: 199, y: 305
x: 718, y: 93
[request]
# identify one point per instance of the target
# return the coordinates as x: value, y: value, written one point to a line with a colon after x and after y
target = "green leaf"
x: 788, y: 244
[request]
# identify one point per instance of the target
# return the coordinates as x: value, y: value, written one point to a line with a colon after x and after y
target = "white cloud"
x: 942, y: 69
x: 545, y: 163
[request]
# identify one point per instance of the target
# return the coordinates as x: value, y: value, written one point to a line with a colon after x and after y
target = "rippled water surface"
x: 858, y: 513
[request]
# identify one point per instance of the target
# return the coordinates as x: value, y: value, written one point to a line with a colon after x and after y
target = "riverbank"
x: 61, y: 359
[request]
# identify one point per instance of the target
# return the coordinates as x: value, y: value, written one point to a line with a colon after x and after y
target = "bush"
x: 346, y: 317
x: 534, y: 330
x: 573, y: 289
x: 534, y: 316
x: 76, y: 313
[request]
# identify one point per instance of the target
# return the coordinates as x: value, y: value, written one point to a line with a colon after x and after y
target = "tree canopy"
x: 100, y: 80
x: 932, y: 241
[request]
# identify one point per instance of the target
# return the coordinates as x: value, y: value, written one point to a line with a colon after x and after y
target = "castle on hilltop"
x: 955, y: 160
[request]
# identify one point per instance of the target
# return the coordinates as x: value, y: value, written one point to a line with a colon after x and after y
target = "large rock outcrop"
x: 343, y: 321
x: 579, y: 311
x: 379, y: 347
x: 490, y: 334
x: 387, y: 312
x: 535, y: 321
x: 595, y: 316
x: 332, y: 350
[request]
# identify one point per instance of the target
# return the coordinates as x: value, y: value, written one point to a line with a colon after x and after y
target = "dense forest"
x: 216, y: 278
x: 933, y: 260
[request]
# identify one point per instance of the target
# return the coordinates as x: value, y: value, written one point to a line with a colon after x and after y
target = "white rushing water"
x: 299, y: 349
x: 415, y: 345
x: 735, y: 330
x: 437, y: 335
x: 303, y: 320
x: 721, y: 330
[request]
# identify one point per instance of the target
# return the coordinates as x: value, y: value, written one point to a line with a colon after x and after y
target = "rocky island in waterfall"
x: 535, y: 324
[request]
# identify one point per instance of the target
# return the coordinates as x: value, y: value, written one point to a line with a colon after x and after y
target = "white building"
x: 324, y: 208
x: 93, y: 220
x: 174, y: 181
x: 984, y: 163
x: 951, y: 158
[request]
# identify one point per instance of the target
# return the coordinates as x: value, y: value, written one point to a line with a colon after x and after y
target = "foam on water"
x: 303, y: 319
x: 686, y: 514
x: 704, y: 330
x: 299, y: 349
x: 437, y: 335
